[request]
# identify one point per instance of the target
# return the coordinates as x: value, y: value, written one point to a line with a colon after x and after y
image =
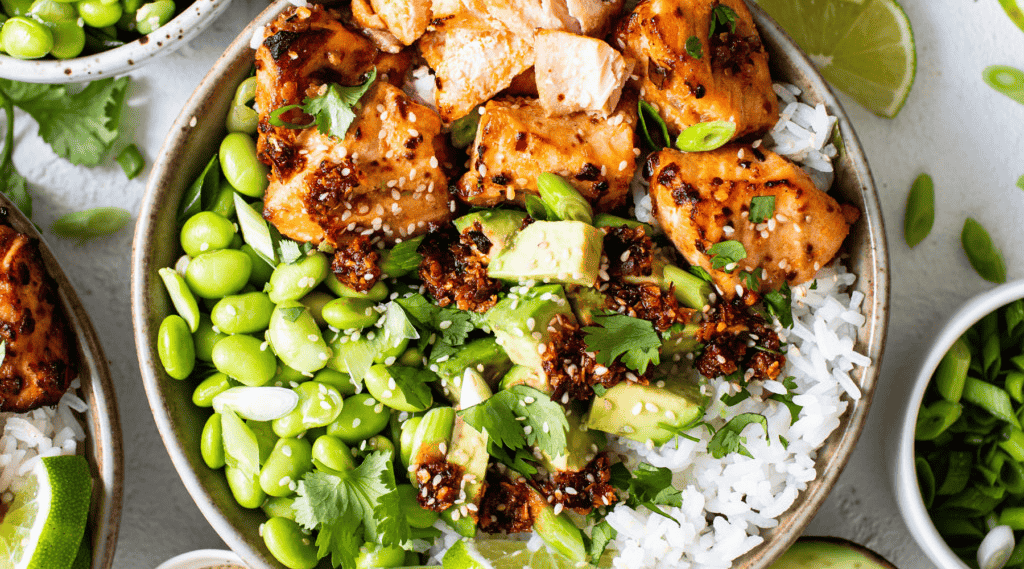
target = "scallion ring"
x: 276, y: 120
x: 706, y: 136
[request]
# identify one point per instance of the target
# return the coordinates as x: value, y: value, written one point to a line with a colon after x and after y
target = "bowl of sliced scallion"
x: 960, y: 461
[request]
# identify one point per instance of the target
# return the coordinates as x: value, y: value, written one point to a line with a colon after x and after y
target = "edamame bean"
x: 292, y: 281
x: 151, y: 16
x: 53, y: 12
x: 245, y: 487
x: 319, y: 405
x: 245, y: 93
x: 388, y: 354
x: 99, y: 13
x: 211, y: 442
x: 206, y: 231
x: 406, y: 439
x: 209, y: 388
x: 290, y: 460
x: 245, y: 359
x: 218, y: 273
x: 349, y: 313
x: 205, y: 337
x: 279, y: 508
x: 332, y: 455
x: 265, y: 437
x: 375, y: 556
x: 416, y: 515
x: 315, y: 302
x: 288, y: 544
x: 25, y: 38
x: 296, y: 338
x: 377, y: 292
x: 129, y: 6
x: 224, y: 204
x: 405, y: 392
x: 240, y: 165
x: 340, y: 381
x: 361, y: 417
x: 242, y: 313
x: 175, y: 348
x: 181, y: 297
x: 16, y: 7
x: 377, y: 443
x: 68, y: 40
x: 261, y: 269
x: 288, y: 377
x: 242, y: 118
x: 411, y: 357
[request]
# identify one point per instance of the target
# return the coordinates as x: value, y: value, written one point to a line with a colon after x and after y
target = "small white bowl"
x: 908, y: 495
x: 169, y: 37
x: 204, y: 559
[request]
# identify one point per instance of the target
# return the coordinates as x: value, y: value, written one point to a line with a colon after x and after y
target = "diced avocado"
x: 520, y: 322
x: 483, y: 356
x: 522, y: 375
x: 585, y: 302
x: 433, y: 432
x: 581, y: 445
x: 690, y: 290
x: 557, y: 530
x: 657, y: 276
x: 829, y: 553
x: 553, y: 251
x: 647, y: 412
x: 497, y: 225
x: 679, y: 339
x: 469, y: 450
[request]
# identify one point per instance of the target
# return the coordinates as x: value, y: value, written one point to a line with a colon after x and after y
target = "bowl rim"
x: 202, y: 559
x: 102, y: 419
x: 908, y: 495
x: 162, y: 41
x: 809, y: 500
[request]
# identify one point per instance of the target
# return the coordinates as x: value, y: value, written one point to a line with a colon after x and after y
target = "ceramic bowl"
x: 204, y: 559
x: 169, y: 37
x: 102, y: 423
x: 195, y: 137
x: 908, y: 494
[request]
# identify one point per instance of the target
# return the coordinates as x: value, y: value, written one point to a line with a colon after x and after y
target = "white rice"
x: 47, y: 431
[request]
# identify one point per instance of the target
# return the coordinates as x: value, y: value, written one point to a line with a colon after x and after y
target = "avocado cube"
x: 522, y: 375
x: 497, y: 225
x: 484, y: 356
x: 586, y: 302
x: 551, y: 251
x: 646, y: 412
x: 520, y: 322
x: 581, y: 446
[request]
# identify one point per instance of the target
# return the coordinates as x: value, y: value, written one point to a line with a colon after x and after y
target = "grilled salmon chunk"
x: 386, y: 178
x: 38, y: 363
x: 578, y: 73
x: 516, y: 141
x: 729, y: 82
x: 703, y: 198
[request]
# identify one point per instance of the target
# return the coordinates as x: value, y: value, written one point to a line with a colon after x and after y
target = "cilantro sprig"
x: 722, y: 18
x: 647, y: 486
x: 694, y: 47
x: 728, y: 439
x: 762, y: 208
x: 726, y: 253
x: 331, y: 111
x: 633, y: 339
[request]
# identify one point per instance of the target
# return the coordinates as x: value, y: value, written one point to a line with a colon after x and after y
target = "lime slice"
x: 507, y: 554
x: 865, y: 48
x: 46, y: 520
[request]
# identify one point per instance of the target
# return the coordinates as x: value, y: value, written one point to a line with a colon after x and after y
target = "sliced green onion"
x: 464, y: 130
x: 401, y: 259
x: 934, y: 419
x: 609, y: 220
x: 202, y: 192
x: 181, y: 297
x: 131, y: 161
x: 920, y: 213
x: 951, y: 374
x: 990, y: 398
x: 706, y: 136
x: 653, y: 130
x: 1013, y: 443
x: 96, y: 222
x: 564, y: 200
x: 954, y: 525
x: 1012, y: 476
x: 690, y: 290
x: 1007, y: 80
x: 991, y: 356
x: 984, y: 256
x: 255, y: 230
x: 958, y: 474
x: 925, y: 481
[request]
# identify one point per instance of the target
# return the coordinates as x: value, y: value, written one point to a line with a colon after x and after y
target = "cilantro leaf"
x: 80, y: 127
x: 412, y: 382
x: 341, y: 540
x: 694, y: 48
x: 647, y: 486
x: 454, y: 325
x: 750, y: 280
x: 602, y: 535
x: 728, y: 440
x: 780, y: 304
x: 762, y: 208
x: 332, y: 110
x: 739, y: 396
x: 787, y: 399
x: 725, y: 253
x: 632, y: 338
x: 699, y: 272
x: 518, y: 417
x: 722, y: 17
x: 653, y: 130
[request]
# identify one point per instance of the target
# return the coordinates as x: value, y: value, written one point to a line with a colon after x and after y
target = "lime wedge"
x: 507, y: 554
x: 865, y: 48
x: 46, y: 520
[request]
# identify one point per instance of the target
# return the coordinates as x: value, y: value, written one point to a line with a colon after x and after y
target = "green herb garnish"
x: 331, y: 111
x: 726, y: 253
x: 647, y: 486
x: 520, y: 417
x: 762, y: 208
x: 618, y: 335
x: 779, y: 304
x: 728, y: 439
x: 722, y: 17
x: 694, y: 47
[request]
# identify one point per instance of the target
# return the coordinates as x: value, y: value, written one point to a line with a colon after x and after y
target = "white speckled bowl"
x: 195, y: 137
x: 204, y: 559
x: 164, y: 40
x: 908, y: 495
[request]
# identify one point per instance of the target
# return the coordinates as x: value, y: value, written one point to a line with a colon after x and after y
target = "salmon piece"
x: 516, y: 141
x: 473, y: 59
x: 525, y: 17
x: 374, y: 27
x: 38, y: 363
x: 730, y: 82
x: 578, y: 73
x: 703, y: 198
x: 594, y: 16
x: 385, y: 178
x: 406, y: 19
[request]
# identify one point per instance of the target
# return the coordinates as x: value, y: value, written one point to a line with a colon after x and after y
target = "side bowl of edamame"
x: 45, y: 41
x: 967, y: 374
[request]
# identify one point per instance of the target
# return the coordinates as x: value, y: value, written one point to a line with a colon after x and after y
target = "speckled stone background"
x: 967, y: 136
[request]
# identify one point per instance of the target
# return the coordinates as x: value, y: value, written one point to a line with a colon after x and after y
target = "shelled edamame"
x: 63, y: 29
x: 970, y: 444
